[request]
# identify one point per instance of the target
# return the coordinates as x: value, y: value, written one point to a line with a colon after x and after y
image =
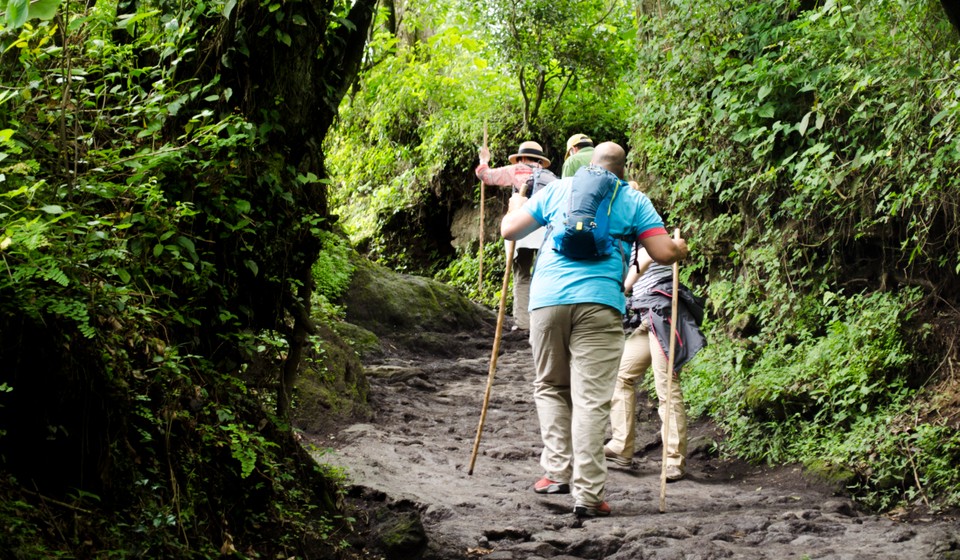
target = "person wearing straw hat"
x: 579, y: 152
x: 576, y: 330
x: 528, y: 159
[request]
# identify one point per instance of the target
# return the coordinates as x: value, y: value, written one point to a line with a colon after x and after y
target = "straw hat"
x: 530, y: 149
x: 579, y: 141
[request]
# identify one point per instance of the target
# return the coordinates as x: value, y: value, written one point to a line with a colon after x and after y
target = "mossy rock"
x: 331, y: 387
x: 386, y: 312
x: 401, y: 534
x: 405, y: 308
x: 837, y: 476
x: 364, y: 342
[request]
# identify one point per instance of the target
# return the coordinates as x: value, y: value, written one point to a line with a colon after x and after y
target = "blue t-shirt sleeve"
x: 637, y: 217
x: 646, y: 217
x: 541, y: 201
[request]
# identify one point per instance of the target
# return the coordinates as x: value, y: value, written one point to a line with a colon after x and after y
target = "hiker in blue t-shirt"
x: 576, y: 333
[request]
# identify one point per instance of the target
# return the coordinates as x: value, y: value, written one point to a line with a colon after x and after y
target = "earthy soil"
x: 414, y: 498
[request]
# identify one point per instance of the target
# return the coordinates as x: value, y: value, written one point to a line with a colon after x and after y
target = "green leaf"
x: 158, y: 249
x: 23, y: 189
x: 764, y: 92
x: 186, y: 243
x: 804, y: 123
x: 16, y: 13
x: 52, y: 209
x: 348, y: 24
x: 939, y: 117
x: 129, y: 19
x: 43, y: 9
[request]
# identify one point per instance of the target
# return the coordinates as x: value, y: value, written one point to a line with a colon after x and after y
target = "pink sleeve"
x: 497, y: 176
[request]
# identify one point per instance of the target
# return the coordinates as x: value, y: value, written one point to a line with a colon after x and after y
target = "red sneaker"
x: 547, y: 486
x: 600, y: 510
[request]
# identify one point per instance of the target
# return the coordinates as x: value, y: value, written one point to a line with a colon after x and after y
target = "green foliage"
x: 830, y: 400
x: 821, y: 383
x: 796, y: 120
x: 412, y: 126
x: 463, y: 273
x: 151, y: 241
x: 405, y: 147
x: 334, y: 267
x: 808, y: 154
x: 560, y: 50
x: 17, y: 12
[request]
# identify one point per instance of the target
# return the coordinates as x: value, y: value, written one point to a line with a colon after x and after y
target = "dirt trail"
x: 415, y: 454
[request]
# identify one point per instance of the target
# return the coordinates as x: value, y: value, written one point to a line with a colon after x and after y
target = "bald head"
x: 610, y: 156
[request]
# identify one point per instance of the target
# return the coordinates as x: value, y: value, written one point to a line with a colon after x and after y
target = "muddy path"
x: 413, y: 457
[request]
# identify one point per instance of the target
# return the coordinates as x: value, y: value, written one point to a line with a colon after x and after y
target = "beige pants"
x: 639, y: 351
x: 576, y: 350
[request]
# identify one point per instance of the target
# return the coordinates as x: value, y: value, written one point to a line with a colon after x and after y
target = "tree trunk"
x: 952, y: 9
x: 294, y: 78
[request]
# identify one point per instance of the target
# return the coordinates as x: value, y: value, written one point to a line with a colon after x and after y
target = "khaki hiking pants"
x: 639, y: 351
x: 576, y: 350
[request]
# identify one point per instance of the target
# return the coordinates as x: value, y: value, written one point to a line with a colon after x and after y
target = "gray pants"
x: 522, y: 274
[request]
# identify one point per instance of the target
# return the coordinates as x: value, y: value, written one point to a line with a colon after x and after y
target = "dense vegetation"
x: 171, y: 236
x: 811, y: 155
x: 162, y: 208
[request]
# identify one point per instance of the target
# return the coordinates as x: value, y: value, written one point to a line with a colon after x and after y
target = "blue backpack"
x: 585, y: 234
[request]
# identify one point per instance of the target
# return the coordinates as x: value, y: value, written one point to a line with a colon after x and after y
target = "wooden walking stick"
x: 670, y: 356
x: 496, y: 346
x: 483, y: 198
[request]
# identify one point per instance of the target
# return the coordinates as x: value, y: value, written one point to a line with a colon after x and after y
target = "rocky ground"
x: 408, y: 469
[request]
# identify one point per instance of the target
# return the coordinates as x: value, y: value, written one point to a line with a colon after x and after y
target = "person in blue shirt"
x: 576, y: 332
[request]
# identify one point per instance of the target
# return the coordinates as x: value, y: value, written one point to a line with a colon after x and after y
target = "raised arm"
x: 517, y: 223
x: 494, y: 176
